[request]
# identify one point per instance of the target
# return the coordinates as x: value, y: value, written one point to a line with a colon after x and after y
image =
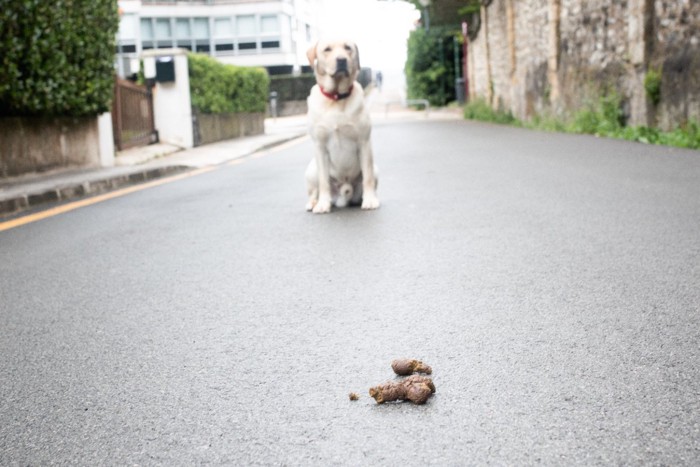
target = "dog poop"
x: 405, y: 367
x: 415, y: 388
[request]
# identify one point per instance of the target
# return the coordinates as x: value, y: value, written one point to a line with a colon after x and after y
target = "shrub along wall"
x: 218, y: 88
x: 227, y: 101
x: 57, y: 57
x: 56, y: 76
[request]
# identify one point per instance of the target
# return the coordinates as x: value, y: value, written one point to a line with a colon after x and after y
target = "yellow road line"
x: 11, y: 224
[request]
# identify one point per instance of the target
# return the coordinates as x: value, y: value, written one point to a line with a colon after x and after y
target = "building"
x: 273, y: 34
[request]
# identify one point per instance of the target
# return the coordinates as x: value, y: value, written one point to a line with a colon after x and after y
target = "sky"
x: 379, y: 28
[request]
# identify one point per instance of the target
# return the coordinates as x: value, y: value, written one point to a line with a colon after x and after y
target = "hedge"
x: 292, y: 88
x: 219, y: 88
x: 57, y: 58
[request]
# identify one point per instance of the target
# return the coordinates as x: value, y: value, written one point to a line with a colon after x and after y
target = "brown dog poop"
x: 415, y: 388
x: 405, y: 367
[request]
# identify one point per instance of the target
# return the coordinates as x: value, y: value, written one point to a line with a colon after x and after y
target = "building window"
x: 223, y: 35
x: 222, y: 28
x: 164, y: 33
x: 183, y: 33
x: 246, y: 34
x: 269, y: 24
x: 226, y: 35
x: 182, y: 28
x: 270, y: 32
x: 147, y: 36
x: 245, y: 25
x: 127, y: 48
x: 200, y: 28
x: 126, y: 38
x: 127, y: 27
x: 227, y: 47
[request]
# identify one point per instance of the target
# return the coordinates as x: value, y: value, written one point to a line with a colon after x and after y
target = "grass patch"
x: 479, y: 109
x: 603, y: 118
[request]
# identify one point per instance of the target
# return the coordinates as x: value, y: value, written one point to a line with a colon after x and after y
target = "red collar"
x: 336, y: 96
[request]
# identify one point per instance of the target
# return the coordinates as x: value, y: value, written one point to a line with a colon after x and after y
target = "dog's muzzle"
x: 341, y: 66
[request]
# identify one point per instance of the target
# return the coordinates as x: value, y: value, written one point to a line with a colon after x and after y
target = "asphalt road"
x: 552, y: 282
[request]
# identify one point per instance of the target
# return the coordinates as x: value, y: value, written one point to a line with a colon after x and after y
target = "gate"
x: 132, y: 115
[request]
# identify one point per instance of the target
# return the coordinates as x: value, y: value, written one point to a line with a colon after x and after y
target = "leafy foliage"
x: 479, y: 109
x: 57, y: 57
x: 219, y: 88
x: 652, y: 85
x: 430, y: 72
x: 603, y: 118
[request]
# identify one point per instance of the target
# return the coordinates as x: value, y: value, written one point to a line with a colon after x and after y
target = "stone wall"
x: 538, y: 56
x: 36, y: 144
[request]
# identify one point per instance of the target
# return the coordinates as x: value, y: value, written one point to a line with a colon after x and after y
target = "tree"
x: 451, y: 13
x: 430, y: 71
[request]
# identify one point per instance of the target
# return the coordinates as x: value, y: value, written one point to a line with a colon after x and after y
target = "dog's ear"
x: 357, y: 57
x: 311, y: 54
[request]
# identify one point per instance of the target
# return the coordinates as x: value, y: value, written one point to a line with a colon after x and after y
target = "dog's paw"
x: 322, y: 207
x: 310, y: 205
x: 370, y: 201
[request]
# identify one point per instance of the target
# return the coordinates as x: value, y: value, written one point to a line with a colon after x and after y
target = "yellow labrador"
x: 342, y: 171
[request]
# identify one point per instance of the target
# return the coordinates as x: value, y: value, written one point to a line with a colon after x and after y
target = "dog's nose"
x: 341, y: 64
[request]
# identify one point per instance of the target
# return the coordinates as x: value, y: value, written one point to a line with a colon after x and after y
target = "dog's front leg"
x: 369, y: 179
x: 323, y: 163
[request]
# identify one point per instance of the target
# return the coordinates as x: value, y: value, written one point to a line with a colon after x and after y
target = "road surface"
x: 551, y: 281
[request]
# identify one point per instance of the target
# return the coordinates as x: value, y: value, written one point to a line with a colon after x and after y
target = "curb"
x: 70, y: 191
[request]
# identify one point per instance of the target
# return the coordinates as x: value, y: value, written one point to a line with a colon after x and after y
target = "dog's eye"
x: 348, y: 48
x: 327, y: 49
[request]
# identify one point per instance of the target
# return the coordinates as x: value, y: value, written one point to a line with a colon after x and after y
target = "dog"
x: 342, y: 171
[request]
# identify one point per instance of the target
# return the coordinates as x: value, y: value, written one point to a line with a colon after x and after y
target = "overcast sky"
x: 380, y: 29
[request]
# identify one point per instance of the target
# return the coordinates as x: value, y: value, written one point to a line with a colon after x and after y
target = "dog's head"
x: 336, y: 63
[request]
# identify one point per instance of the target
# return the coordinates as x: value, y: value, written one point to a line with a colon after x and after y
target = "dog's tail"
x: 345, y: 193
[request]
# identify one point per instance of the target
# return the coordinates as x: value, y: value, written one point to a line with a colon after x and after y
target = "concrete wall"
x: 535, y: 56
x: 41, y: 143
x: 209, y: 128
x: 289, y: 108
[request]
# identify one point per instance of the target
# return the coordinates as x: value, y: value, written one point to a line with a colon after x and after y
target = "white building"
x: 274, y: 34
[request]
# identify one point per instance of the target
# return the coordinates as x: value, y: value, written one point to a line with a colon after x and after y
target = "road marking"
x: 11, y: 224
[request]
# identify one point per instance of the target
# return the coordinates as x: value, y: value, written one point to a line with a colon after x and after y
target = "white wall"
x: 171, y: 101
x: 106, y: 139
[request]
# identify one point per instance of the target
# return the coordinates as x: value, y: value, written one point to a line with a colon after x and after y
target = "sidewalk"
x: 137, y: 165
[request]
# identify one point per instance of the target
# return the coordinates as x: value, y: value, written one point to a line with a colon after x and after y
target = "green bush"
x: 603, y: 118
x: 685, y: 136
x: 219, y: 88
x: 479, y: 109
x: 652, y: 85
x: 57, y: 58
x: 430, y: 72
